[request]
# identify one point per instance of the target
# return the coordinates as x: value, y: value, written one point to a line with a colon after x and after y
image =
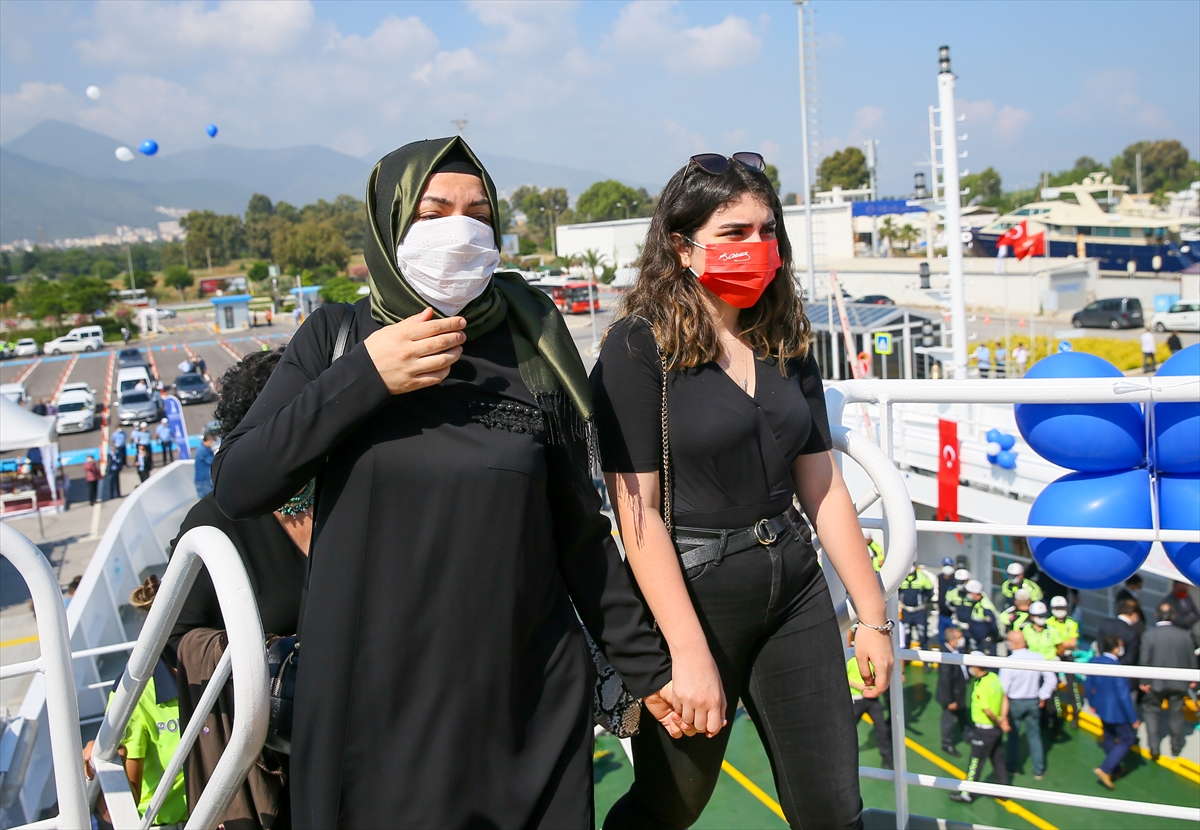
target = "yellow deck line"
x: 1008, y: 804
x: 19, y: 641
x: 753, y: 789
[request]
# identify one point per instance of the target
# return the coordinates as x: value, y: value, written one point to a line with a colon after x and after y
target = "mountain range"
x: 61, y: 181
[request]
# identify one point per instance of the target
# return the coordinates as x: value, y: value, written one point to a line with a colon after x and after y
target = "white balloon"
x: 124, y: 154
x: 93, y: 92
x: 993, y: 448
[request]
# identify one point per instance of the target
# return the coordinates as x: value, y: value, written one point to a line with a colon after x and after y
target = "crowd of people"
x: 982, y: 706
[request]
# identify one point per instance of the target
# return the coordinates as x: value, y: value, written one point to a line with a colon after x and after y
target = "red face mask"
x: 739, y: 272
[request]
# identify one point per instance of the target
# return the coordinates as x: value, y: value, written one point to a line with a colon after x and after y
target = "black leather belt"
x: 700, y: 545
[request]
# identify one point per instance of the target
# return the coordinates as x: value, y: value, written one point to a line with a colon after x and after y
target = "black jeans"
x: 883, y: 730
x: 168, y: 452
x: 93, y: 486
x: 772, y: 631
x: 950, y: 719
x: 985, y: 744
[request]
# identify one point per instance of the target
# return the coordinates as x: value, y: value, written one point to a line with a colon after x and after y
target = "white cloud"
x: 1005, y: 123
x: 1114, y: 94
x: 34, y: 102
x: 769, y: 150
x: 651, y: 27
x: 528, y: 27
x: 1010, y: 122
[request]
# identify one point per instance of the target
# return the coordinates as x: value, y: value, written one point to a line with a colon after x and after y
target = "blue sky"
x: 630, y: 89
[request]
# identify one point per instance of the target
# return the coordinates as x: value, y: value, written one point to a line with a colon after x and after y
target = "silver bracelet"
x: 887, y: 628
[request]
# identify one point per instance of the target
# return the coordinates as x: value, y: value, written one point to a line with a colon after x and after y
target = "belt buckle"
x: 762, y: 532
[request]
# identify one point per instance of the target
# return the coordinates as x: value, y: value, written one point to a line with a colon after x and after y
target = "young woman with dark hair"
x: 712, y: 347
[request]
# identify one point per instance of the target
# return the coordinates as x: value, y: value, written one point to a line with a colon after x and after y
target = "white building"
x: 621, y: 240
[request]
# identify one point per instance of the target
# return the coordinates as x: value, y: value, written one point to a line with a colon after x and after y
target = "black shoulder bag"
x: 283, y: 655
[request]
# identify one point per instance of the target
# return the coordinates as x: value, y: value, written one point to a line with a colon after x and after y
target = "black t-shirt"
x: 731, y: 454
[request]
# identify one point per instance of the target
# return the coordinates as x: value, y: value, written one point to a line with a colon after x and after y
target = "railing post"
x: 899, y: 758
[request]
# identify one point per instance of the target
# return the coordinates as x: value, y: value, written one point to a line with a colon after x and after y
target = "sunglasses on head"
x: 716, y: 164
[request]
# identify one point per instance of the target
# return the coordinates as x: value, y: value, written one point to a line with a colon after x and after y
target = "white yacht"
x: 1100, y: 219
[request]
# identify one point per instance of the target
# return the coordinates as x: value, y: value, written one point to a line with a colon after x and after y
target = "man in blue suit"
x: 1110, y: 698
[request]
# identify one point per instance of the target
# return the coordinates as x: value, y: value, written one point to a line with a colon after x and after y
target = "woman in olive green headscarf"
x: 444, y: 682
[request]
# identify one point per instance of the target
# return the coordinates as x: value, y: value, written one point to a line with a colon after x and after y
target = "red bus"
x: 571, y: 297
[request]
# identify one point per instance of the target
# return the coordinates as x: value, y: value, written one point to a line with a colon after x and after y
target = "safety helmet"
x: 1038, y: 609
x: 974, y: 586
x: 1022, y: 596
x: 1058, y: 602
x: 1016, y: 569
x: 946, y: 560
x: 962, y: 575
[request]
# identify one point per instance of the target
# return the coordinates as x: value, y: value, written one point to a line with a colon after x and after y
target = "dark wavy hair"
x: 671, y: 297
x: 241, y: 385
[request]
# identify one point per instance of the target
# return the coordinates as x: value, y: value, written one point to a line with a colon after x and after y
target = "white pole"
x: 810, y: 279
x: 954, y: 245
x: 599, y: 269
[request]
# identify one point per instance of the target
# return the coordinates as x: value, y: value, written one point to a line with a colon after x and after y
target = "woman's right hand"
x: 416, y: 352
x: 698, y: 692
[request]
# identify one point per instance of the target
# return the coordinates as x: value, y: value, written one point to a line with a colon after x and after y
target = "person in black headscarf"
x: 444, y: 679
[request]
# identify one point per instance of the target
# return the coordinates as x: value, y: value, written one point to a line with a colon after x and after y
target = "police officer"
x: 989, y: 716
x: 1016, y: 581
x: 983, y: 627
x: 956, y: 599
x: 945, y: 582
x: 1046, y: 641
x: 915, y: 592
x: 1067, y: 629
x: 875, y: 549
x: 1016, y: 616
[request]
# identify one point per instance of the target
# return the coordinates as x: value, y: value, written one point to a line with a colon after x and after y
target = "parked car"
x: 165, y: 313
x: 1182, y: 316
x: 26, y: 347
x: 70, y: 343
x: 875, y: 299
x: 139, y: 405
x: 78, y: 386
x: 130, y: 357
x: 76, y: 412
x: 193, y: 388
x: 16, y: 393
x: 1113, y: 313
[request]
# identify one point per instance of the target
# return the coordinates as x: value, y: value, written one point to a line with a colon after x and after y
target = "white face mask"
x: 1060, y: 613
x: 448, y: 261
x: 947, y: 570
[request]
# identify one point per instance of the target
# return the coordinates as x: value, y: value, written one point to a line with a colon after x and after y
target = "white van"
x: 91, y: 334
x: 129, y: 377
x: 71, y: 343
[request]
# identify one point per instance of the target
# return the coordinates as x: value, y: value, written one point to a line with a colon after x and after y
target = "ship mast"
x: 952, y: 193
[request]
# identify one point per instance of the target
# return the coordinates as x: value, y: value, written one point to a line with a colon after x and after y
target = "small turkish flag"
x: 1013, y: 235
x: 1031, y: 246
x: 948, y: 471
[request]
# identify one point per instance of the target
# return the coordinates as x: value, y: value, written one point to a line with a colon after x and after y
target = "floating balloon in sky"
x: 148, y: 147
x: 124, y: 154
x: 93, y: 92
x: 211, y: 129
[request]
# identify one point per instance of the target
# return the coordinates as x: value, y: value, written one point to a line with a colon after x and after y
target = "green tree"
x: 985, y: 185
x: 341, y: 290
x: 543, y: 209
x: 171, y: 254
x: 591, y: 258
x: 42, y: 299
x: 1164, y: 165
x: 772, y: 174
x: 847, y: 168
x: 104, y: 269
x: 347, y: 215
x: 311, y: 244
x: 220, y: 237
x: 144, y: 279
x: 258, y: 271
x: 178, y: 276
x: 610, y: 199
x: 260, y: 207
x: 87, y: 294
x: 504, y: 216
x: 7, y: 293
x: 287, y: 213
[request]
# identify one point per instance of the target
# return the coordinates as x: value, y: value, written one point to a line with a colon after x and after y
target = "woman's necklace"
x: 744, y: 382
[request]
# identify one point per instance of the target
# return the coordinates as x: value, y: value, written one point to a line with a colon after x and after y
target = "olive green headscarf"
x: 549, y: 362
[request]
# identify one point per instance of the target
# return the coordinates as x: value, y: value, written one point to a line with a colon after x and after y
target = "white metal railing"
x: 244, y: 655
x: 885, y: 394
x: 55, y: 664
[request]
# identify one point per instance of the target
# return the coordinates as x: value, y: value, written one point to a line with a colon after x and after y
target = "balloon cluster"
x: 1106, y: 445
x: 149, y: 147
x: 999, y: 449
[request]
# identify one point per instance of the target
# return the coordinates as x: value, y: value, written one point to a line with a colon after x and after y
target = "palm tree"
x: 592, y: 259
x: 888, y: 231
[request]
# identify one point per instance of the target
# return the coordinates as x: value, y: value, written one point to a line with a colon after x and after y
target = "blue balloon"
x: 148, y: 147
x: 1007, y: 441
x: 1177, y: 425
x: 993, y: 459
x: 1007, y: 459
x: 1092, y: 500
x: 993, y: 436
x: 1179, y: 509
x: 1086, y: 437
x: 211, y: 129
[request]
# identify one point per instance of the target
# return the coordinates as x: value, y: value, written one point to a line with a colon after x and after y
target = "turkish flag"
x: 948, y: 470
x: 1031, y: 246
x: 1013, y: 235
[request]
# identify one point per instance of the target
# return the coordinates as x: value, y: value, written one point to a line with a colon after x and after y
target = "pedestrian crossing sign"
x: 883, y: 342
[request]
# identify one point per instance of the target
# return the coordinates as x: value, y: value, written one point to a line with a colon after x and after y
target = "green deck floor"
x: 1069, y: 769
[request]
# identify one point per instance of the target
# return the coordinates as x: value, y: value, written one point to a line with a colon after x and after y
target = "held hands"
x: 416, y: 352
x: 699, y: 696
x: 873, y: 650
x: 661, y: 706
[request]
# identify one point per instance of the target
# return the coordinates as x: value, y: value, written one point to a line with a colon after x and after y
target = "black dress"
x: 444, y: 680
